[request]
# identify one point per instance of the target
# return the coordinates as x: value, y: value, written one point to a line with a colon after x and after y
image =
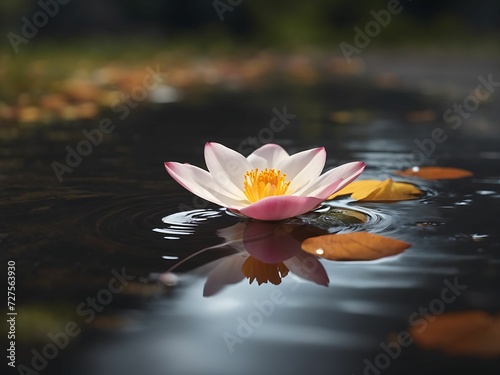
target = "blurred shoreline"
x: 66, y: 85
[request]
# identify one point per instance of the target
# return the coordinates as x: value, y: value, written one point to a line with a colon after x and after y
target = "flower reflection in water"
x: 254, y: 269
x: 266, y: 252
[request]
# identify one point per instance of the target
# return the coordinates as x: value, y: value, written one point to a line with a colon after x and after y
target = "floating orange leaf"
x: 435, y: 173
x: 354, y: 246
x: 375, y: 190
x: 474, y: 333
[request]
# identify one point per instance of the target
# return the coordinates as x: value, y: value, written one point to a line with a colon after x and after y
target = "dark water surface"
x: 119, y: 213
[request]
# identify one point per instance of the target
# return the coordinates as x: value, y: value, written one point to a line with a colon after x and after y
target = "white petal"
x: 201, y: 183
x: 227, y: 167
x: 333, y: 180
x: 303, y: 167
x: 267, y: 156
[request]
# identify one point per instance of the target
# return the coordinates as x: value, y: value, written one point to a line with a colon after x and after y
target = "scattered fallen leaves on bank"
x: 435, y: 173
x: 376, y: 190
x: 354, y: 246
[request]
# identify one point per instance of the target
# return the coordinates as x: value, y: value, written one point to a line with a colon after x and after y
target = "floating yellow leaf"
x: 435, y: 173
x: 473, y: 333
x: 354, y: 246
x: 375, y: 190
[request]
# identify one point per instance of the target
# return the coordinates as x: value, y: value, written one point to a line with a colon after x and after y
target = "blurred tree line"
x: 260, y: 22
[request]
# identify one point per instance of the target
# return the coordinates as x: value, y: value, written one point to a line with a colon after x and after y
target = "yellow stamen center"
x: 266, y: 183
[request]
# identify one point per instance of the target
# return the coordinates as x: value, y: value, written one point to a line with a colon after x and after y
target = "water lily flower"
x: 269, y: 184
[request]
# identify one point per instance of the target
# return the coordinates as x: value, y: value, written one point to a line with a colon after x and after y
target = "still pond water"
x: 118, y: 219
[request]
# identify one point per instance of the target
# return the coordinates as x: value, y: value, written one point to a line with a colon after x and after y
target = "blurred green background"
x: 279, y: 24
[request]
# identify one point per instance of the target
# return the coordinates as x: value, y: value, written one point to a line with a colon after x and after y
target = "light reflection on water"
x: 264, y: 251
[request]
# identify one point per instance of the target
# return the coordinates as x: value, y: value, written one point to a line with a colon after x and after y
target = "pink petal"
x: 350, y: 172
x: 303, y: 167
x: 227, y: 167
x: 308, y: 267
x: 333, y: 180
x: 201, y: 183
x: 269, y: 242
x: 280, y: 207
x: 267, y: 156
x: 227, y: 272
